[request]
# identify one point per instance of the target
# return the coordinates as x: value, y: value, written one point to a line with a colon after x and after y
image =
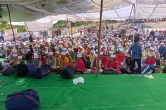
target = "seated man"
x: 64, y: 61
x: 22, y: 70
x: 37, y: 62
x: 22, y: 61
x: 149, y: 64
x: 53, y: 62
x: 15, y: 61
x: 126, y: 68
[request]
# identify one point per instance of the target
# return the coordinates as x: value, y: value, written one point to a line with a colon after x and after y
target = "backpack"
x: 1, y: 67
x: 22, y: 70
x: 164, y: 70
x: 8, y: 70
x: 24, y: 100
x: 67, y: 72
x: 31, y: 69
x: 44, y: 71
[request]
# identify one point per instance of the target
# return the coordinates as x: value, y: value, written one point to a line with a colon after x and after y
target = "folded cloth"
x: 149, y: 76
x: 78, y: 80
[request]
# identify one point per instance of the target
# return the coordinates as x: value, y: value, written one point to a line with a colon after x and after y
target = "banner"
x: 8, y: 35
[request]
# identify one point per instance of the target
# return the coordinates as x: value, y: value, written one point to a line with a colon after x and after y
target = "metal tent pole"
x: 10, y: 22
x: 27, y: 28
x: 99, y: 36
x: 68, y: 25
x: 129, y: 20
x: 134, y: 5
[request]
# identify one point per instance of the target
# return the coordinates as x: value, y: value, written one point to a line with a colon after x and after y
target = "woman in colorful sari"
x: 80, y: 66
x: 94, y: 65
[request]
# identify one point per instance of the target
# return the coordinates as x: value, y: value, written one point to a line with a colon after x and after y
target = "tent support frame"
x: 10, y: 21
x: 99, y: 36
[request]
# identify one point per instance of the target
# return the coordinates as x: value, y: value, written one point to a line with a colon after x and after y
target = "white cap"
x: 14, y: 55
x: 28, y: 50
x: 36, y: 55
x: 111, y: 52
x: 79, y: 55
x: 14, y: 50
x: 50, y: 53
x: 112, y: 56
x: 151, y: 48
x: 150, y: 54
x: 121, y: 49
x: 20, y: 57
x: 63, y: 53
x: 19, y: 46
x: 101, y: 53
x: 60, y: 42
x: 64, y: 49
x: 112, y: 48
x: 55, y: 47
x: 127, y: 55
x: 96, y: 55
x: 37, y: 45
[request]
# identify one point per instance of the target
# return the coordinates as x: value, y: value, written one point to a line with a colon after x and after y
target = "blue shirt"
x: 1, y: 34
x: 135, y: 51
x: 162, y: 50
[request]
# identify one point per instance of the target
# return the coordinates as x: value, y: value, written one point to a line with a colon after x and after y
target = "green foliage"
x: 5, y: 26
x: 62, y: 24
x: 20, y: 28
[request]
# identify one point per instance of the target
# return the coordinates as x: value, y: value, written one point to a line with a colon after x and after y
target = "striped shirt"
x: 135, y: 51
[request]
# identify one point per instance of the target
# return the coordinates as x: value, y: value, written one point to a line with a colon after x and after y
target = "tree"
x: 5, y: 26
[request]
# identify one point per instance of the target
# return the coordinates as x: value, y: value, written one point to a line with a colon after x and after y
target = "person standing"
x: 136, y: 52
x: 30, y: 38
x: 1, y: 36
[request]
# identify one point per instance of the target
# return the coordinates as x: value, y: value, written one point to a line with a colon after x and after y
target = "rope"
x: 153, y: 10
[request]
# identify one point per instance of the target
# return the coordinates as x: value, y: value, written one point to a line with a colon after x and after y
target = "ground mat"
x: 103, y: 92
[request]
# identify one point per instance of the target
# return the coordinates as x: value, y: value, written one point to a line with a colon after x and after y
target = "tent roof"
x: 51, y: 10
x: 25, y: 10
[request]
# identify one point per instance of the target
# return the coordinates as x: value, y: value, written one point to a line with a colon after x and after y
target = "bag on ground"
x: 24, y: 100
x: 8, y: 70
x: 44, y: 71
x: 31, y: 69
x: 22, y: 70
x: 67, y: 72
x: 1, y: 67
x: 164, y: 70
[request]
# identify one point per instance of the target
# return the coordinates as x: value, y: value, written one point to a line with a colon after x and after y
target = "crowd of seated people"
x: 81, y: 52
